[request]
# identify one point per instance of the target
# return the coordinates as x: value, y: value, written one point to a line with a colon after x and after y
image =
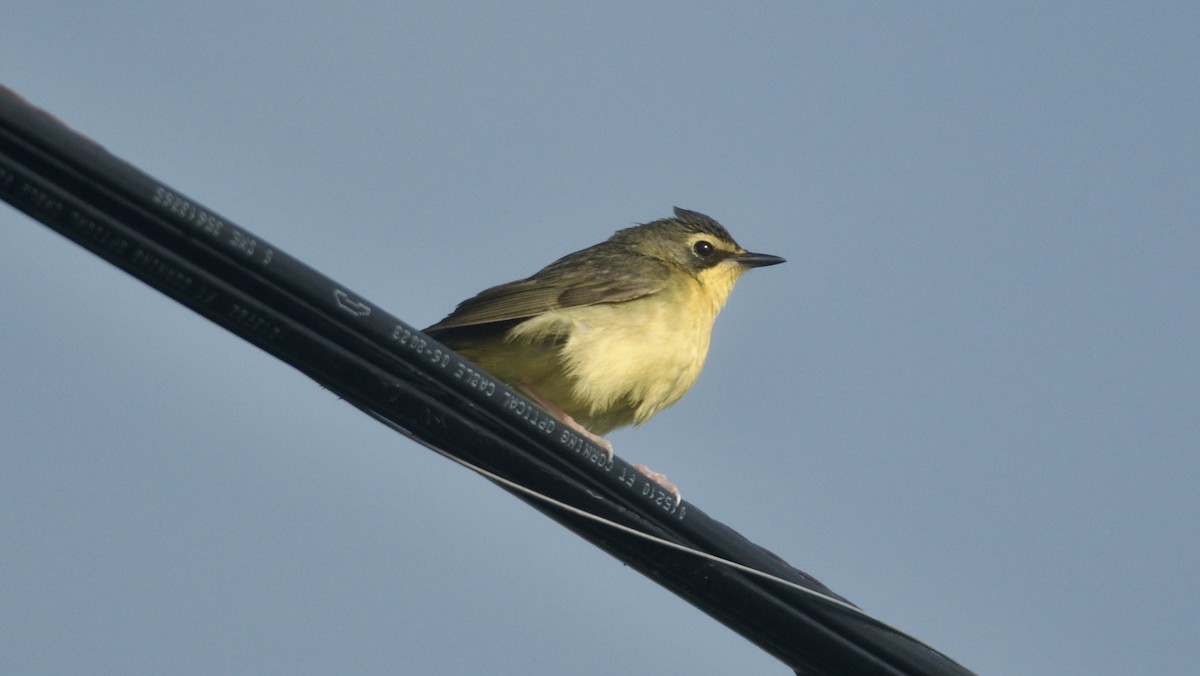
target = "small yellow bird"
x: 610, y: 335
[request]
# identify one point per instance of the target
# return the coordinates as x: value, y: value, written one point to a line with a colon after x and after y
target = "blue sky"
x: 969, y: 402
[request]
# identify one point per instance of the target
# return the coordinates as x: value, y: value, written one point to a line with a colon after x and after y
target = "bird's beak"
x: 757, y: 260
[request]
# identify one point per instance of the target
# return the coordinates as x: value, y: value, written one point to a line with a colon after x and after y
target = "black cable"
x: 389, y: 369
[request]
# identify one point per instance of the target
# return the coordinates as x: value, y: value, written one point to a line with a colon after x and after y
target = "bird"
x: 610, y: 335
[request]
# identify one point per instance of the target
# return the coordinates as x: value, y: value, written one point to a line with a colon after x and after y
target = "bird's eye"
x: 703, y: 248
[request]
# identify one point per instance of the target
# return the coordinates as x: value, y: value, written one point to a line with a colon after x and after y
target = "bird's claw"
x: 532, y: 393
x: 661, y: 479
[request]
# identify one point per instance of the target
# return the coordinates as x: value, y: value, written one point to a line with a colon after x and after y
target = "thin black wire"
x: 392, y: 371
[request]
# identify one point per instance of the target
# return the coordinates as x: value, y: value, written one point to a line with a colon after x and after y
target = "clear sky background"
x: 969, y: 402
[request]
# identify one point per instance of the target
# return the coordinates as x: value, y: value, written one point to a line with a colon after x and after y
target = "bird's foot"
x: 557, y: 412
x: 661, y: 480
x: 600, y: 441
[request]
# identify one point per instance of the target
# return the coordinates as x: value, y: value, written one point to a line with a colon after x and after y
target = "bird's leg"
x: 661, y: 480
x: 656, y: 477
x: 545, y: 403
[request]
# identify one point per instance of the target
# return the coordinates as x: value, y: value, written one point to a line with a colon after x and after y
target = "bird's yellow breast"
x: 613, y: 364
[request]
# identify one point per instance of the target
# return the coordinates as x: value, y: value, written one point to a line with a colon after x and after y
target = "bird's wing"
x: 586, y: 277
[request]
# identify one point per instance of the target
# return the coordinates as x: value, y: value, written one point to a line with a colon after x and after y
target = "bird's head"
x: 698, y: 245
